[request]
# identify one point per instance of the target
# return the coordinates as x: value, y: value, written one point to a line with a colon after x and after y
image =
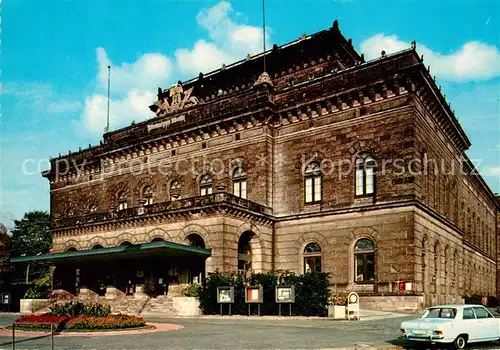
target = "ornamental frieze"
x: 173, y: 99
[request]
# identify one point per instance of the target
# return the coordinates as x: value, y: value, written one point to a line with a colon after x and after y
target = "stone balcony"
x: 186, y: 207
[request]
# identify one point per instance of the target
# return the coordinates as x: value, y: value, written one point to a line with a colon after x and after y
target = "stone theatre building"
x: 324, y: 162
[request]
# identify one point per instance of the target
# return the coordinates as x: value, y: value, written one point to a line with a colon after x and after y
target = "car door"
x: 488, y: 325
x: 469, y: 325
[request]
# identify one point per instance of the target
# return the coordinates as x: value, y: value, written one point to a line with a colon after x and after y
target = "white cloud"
x: 149, y: 70
x: 492, y: 171
x: 231, y: 41
x: 133, y: 107
x: 202, y: 57
x: 472, y: 62
x: 133, y: 84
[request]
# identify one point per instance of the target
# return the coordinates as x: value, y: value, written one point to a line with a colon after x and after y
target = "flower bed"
x: 41, y: 321
x: 108, y: 322
x: 79, y: 323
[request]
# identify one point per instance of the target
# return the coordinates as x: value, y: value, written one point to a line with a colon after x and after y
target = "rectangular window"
x: 359, y: 182
x: 369, y: 180
x: 206, y: 191
x: 309, y: 190
x: 243, y: 189
x: 317, y: 189
x: 236, y: 189
x: 312, y: 264
x: 360, y: 268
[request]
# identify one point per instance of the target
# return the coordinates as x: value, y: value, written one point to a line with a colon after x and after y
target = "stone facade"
x: 432, y: 221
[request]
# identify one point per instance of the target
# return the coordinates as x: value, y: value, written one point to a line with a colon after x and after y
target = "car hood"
x: 425, y: 323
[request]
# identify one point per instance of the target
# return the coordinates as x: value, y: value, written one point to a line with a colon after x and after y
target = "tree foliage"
x: 312, y: 292
x: 31, y: 235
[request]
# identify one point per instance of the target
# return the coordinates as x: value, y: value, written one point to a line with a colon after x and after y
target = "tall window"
x: 365, y: 175
x: 364, y: 260
x: 175, y: 190
x: 122, y: 201
x: 312, y: 258
x: 206, y: 185
x: 147, y: 195
x: 240, y: 182
x: 313, y: 183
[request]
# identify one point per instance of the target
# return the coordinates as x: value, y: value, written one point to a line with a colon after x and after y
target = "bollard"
x: 52, y: 336
x: 13, y: 336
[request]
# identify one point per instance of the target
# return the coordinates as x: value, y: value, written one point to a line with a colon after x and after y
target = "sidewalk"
x: 364, y: 315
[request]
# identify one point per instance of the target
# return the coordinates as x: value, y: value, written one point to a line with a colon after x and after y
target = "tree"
x: 5, y: 245
x: 31, y: 235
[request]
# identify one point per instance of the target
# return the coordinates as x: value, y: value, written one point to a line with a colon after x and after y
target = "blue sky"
x: 54, y: 56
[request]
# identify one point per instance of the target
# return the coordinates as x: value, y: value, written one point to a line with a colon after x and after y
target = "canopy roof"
x: 166, y: 249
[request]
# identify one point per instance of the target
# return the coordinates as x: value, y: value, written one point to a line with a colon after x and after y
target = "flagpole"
x: 109, y: 86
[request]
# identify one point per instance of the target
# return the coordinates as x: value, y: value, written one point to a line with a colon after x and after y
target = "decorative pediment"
x: 173, y: 99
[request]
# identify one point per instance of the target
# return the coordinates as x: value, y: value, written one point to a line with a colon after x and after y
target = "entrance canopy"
x: 153, y: 249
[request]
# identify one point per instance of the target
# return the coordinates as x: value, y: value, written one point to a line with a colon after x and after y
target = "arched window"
x: 312, y: 258
x: 240, y: 182
x: 195, y: 240
x: 72, y: 249
x: 206, y: 185
x: 313, y: 183
x: 122, y: 201
x: 365, y: 175
x: 157, y: 239
x: 97, y: 246
x: 175, y: 190
x: 364, y: 260
x: 147, y: 195
x: 125, y: 244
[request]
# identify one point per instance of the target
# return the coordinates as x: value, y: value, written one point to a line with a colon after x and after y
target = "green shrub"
x: 472, y: 299
x: 312, y: 293
x: 192, y: 290
x: 78, y: 309
x: 40, y: 288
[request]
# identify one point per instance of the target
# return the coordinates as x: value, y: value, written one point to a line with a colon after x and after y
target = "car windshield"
x: 440, y: 312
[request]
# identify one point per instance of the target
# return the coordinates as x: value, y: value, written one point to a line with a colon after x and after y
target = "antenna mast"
x: 109, y: 85
x: 264, y: 31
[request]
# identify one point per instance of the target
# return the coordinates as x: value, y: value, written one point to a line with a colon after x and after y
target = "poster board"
x: 285, y: 294
x: 5, y: 298
x: 225, y: 295
x: 254, y: 295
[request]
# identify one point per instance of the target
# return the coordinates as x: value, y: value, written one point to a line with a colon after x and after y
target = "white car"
x: 453, y: 324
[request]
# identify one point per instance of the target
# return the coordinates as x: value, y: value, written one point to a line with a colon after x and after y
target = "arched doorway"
x: 248, y: 253
x: 196, y: 270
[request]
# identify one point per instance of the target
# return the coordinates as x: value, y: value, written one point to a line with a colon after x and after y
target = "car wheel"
x: 460, y: 342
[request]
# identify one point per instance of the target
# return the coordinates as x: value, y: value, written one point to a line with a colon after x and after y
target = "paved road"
x: 237, y: 334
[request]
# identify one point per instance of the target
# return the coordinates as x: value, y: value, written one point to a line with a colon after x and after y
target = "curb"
x: 158, y: 327
x: 382, y: 347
